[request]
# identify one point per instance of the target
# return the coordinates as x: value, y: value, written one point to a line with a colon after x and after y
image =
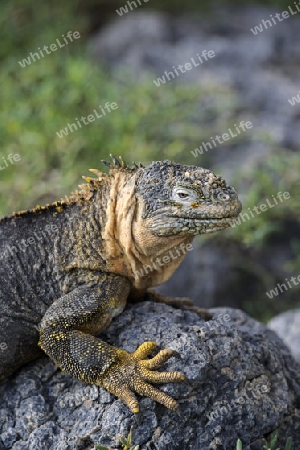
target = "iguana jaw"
x: 197, y: 219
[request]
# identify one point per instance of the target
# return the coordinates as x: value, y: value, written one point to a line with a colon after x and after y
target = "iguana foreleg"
x: 67, y: 335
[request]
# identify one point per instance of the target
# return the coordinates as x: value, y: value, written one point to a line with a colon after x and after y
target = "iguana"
x: 68, y: 268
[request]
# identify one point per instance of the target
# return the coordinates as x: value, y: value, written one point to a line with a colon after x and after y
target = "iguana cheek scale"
x: 61, y: 292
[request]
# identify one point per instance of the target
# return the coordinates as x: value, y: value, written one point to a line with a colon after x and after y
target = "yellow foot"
x: 133, y: 372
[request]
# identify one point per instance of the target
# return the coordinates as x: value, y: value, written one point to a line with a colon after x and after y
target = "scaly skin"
x: 68, y: 268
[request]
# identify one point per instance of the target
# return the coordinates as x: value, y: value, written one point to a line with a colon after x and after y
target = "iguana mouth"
x: 172, y: 225
x: 205, y: 219
x: 222, y: 221
x: 216, y: 220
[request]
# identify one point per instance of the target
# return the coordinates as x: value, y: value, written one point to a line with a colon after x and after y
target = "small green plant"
x: 269, y: 445
x: 239, y: 445
x: 100, y: 447
x: 126, y: 443
x: 272, y: 444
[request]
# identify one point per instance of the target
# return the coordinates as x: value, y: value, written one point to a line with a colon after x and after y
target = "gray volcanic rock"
x: 287, y: 326
x: 112, y: 44
x: 241, y: 382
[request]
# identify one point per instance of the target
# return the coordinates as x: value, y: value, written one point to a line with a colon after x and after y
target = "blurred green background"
x: 151, y: 124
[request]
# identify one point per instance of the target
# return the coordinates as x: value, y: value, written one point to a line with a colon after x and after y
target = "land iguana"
x: 82, y: 258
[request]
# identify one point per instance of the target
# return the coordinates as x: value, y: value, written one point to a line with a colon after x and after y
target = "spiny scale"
x: 115, y: 161
x: 97, y: 172
x: 116, y: 164
x: 107, y: 164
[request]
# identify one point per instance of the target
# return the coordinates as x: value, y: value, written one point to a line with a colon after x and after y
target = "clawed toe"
x: 148, y: 390
x: 157, y: 361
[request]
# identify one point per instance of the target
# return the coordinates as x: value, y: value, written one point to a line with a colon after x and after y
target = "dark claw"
x: 138, y: 418
x: 176, y: 354
x: 178, y: 412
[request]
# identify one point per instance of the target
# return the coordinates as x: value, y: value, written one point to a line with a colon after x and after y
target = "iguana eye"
x: 184, y: 195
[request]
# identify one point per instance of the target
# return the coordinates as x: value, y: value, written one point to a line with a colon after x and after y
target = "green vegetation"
x: 125, y: 442
x: 271, y: 445
x: 43, y: 98
x: 278, y: 174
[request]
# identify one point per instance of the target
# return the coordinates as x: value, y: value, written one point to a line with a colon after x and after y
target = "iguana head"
x: 185, y: 200
x: 150, y: 210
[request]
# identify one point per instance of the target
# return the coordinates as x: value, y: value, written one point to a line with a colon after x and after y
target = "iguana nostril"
x: 222, y: 197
